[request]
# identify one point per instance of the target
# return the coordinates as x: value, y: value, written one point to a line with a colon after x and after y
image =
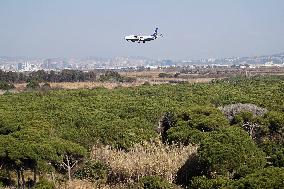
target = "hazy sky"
x: 192, y: 28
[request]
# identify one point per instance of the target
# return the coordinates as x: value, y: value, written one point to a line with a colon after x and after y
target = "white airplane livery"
x: 143, y: 38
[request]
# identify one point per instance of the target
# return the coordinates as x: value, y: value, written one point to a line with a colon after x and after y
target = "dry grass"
x: 20, y: 86
x: 148, y: 158
x: 141, y: 77
x: 81, y: 184
x: 82, y: 85
x: 143, y: 74
x: 91, y: 85
x: 112, y: 85
x: 127, y: 167
x: 153, y: 77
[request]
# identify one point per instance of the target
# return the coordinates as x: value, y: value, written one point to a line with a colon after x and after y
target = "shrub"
x: 255, y: 126
x: 277, y: 158
x: 185, y: 135
x: 276, y: 122
x: 129, y: 79
x: 33, y: 85
x: 93, y: 171
x: 5, y: 179
x: 45, y: 184
x: 275, y: 152
x: 269, y: 178
x: 166, y: 122
x: 155, y: 182
x: 203, y: 182
x: 227, y: 153
x: 208, y: 119
x: 6, y: 86
x: 146, y: 83
x: 164, y: 75
x: 230, y: 153
x: 191, y: 126
x: 111, y: 76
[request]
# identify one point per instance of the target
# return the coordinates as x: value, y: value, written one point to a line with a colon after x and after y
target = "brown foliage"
x: 232, y: 110
x: 148, y: 158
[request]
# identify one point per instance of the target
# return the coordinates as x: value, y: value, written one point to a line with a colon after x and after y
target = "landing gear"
x: 143, y: 41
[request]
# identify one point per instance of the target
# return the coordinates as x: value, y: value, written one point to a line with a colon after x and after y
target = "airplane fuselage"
x: 139, y: 38
x: 142, y: 38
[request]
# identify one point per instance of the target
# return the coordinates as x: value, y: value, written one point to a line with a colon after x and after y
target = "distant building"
x: 269, y: 64
x: 167, y: 63
x: 20, y: 66
x: 26, y: 67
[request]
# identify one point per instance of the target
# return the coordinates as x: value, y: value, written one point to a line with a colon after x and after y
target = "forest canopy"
x: 55, y: 130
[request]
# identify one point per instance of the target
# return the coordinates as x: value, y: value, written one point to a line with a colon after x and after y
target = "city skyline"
x: 93, y: 63
x: 192, y: 29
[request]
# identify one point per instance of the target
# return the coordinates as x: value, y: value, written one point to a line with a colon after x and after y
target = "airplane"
x: 143, y: 38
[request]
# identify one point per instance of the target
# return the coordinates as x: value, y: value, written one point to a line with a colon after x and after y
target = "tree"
x: 45, y: 184
x: 17, y: 156
x: 166, y: 122
x: 208, y: 119
x: 255, y: 126
x: 276, y: 126
x: 274, y: 152
x: 33, y: 85
x: 230, y: 153
x: 232, y: 110
x: 11, y: 77
x: 225, y: 154
x: 93, y: 171
x: 6, y: 86
x: 202, y: 182
x: 249, y: 117
x: 269, y: 178
x: 111, y: 76
x: 70, y: 154
x: 52, y: 77
x: 189, y: 126
x: 39, y: 75
x: 154, y: 182
x: 164, y: 75
x: 35, y: 148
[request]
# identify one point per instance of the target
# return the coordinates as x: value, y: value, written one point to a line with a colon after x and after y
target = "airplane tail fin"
x: 156, y: 32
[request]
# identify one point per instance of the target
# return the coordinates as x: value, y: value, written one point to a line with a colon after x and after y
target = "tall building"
x: 20, y: 66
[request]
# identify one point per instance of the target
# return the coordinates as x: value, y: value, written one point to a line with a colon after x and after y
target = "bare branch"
x: 74, y: 164
x: 64, y: 165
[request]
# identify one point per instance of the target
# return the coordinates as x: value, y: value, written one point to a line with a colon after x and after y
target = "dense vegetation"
x: 6, y: 86
x: 52, y: 132
x: 59, y: 76
x: 52, y: 76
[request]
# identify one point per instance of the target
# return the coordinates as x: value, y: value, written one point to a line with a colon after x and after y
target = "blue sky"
x: 192, y: 28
